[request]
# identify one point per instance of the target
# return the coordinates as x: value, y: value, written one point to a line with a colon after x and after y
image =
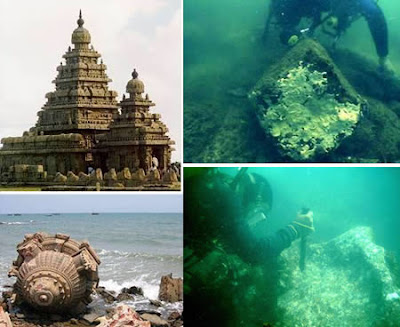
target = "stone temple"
x: 82, y: 127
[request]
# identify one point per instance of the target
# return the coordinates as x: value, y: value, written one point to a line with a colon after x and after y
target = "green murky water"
x: 349, y: 279
x: 224, y: 57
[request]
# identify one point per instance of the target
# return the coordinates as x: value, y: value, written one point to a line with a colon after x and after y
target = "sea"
x: 341, y: 198
x: 225, y: 55
x: 135, y: 249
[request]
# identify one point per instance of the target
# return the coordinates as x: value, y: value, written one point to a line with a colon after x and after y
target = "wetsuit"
x: 289, y: 13
x: 221, y: 258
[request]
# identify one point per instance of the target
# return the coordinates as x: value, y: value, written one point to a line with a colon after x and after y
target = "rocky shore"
x: 129, y: 307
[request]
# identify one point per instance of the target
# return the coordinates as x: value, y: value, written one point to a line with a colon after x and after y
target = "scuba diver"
x: 228, y: 249
x: 334, y: 16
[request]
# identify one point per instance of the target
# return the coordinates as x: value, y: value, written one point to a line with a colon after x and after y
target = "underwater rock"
x: 365, y: 76
x: 346, y: 282
x: 305, y: 103
x: 376, y: 136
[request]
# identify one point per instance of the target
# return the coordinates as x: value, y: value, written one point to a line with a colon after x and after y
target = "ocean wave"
x: 117, y: 253
x: 150, y: 288
x: 17, y: 222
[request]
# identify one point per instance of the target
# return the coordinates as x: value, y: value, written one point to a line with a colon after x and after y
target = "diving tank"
x: 55, y: 273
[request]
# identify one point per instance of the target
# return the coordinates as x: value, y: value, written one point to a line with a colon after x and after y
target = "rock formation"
x: 122, y: 316
x: 4, y: 318
x: 171, y: 289
x: 55, y: 273
x: 346, y: 282
x: 305, y: 104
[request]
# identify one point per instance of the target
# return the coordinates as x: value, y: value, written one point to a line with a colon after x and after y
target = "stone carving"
x: 135, y: 86
x: 72, y: 179
x: 170, y: 177
x: 96, y: 177
x: 55, y: 273
x: 83, y: 178
x: 124, y: 175
x: 60, y: 178
x: 110, y: 177
x: 80, y: 125
x: 154, y: 176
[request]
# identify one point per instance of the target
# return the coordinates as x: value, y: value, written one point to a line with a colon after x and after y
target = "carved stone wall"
x: 80, y: 128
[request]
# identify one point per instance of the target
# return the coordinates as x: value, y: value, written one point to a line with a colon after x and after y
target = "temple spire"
x: 80, y: 20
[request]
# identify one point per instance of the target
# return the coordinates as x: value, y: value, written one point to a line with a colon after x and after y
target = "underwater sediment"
x: 222, y: 125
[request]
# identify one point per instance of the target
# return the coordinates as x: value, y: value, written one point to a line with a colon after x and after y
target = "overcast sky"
x: 79, y: 203
x: 34, y: 35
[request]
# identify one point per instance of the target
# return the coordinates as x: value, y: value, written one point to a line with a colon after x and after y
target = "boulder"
x: 304, y: 103
x: 124, y: 297
x: 134, y: 290
x: 106, y: 295
x: 92, y: 315
x: 4, y: 318
x: 175, y: 319
x: 346, y: 282
x: 155, y: 320
x: 156, y: 303
x: 122, y: 316
x: 171, y: 289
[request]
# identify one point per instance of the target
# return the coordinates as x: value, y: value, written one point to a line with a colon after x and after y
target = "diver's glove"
x: 303, y: 224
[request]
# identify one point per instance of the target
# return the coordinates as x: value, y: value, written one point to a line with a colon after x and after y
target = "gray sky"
x: 80, y: 203
x: 34, y: 35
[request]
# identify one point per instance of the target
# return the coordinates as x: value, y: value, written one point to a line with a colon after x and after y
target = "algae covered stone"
x: 347, y: 282
x: 305, y: 104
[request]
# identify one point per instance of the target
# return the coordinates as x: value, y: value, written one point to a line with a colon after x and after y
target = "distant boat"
x: 49, y: 215
x: 17, y: 214
x: 95, y: 213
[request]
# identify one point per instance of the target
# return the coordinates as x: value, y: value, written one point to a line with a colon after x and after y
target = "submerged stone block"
x: 346, y: 282
x: 305, y: 104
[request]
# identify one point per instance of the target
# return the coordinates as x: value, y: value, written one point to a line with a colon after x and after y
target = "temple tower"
x: 82, y: 102
x: 136, y: 135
